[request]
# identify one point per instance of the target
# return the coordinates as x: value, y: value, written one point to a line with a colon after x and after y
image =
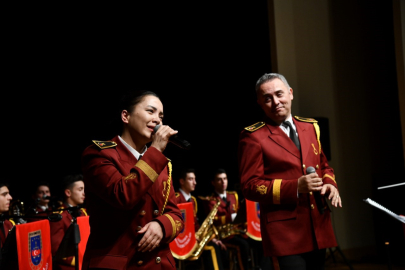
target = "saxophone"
x: 205, y: 233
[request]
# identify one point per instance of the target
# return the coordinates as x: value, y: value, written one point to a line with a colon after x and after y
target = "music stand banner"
x: 253, y: 220
x: 84, y: 228
x: 34, y: 245
x: 184, y: 244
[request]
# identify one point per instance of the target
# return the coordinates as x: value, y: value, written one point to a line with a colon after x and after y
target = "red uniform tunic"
x: 58, y: 230
x: 269, y: 167
x: 180, y: 199
x: 122, y: 196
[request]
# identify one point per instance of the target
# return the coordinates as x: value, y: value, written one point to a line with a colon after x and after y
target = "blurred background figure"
x: 73, y: 198
x: 41, y: 204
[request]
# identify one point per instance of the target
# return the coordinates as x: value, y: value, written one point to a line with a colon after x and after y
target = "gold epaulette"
x: 302, y: 119
x: 177, y: 194
x: 255, y: 126
x: 105, y: 144
x: 316, y: 127
x: 195, y: 203
x: 84, y: 211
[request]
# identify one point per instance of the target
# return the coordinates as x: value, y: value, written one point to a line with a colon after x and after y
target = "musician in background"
x: 226, y: 213
x: 73, y: 193
x: 40, y: 205
x: 5, y: 224
x: 188, y: 183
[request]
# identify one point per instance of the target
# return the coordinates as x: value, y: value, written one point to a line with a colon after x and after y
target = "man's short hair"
x: 269, y: 77
x: 184, y: 172
x: 4, y: 184
x: 69, y: 180
x: 218, y: 171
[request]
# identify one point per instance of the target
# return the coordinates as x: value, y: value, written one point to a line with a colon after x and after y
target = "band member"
x: 188, y: 182
x: 226, y: 213
x: 133, y: 184
x: 5, y: 225
x: 73, y: 193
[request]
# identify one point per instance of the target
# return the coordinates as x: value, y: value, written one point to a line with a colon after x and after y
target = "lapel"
x: 124, y: 154
x: 279, y: 137
x: 302, y: 129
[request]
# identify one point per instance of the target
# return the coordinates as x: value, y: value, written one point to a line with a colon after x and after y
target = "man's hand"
x: 152, y: 237
x: 219, y: 243
x: 309, y: 182
x: 333, y: 194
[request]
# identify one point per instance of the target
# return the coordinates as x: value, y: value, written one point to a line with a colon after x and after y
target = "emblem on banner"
x: 35, y: 249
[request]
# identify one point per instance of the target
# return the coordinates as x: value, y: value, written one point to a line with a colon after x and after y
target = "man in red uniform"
x: 129, y: 192
x: 225, y: 215
x: 273, y: 172
x: 73, y: 193
x: 188, y: 183
x: 41, y: 200
x: 5, y: 225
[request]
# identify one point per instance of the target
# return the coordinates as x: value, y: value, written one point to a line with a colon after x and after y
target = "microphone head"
x: 46, y: 197
x: 155, y: 129
x: 310, y: 170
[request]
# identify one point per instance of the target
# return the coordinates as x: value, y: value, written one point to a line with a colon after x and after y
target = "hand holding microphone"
x: 165, y: 131
x: 317, y: 194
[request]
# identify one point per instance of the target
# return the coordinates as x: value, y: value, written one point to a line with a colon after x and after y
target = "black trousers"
x: 314, y: 260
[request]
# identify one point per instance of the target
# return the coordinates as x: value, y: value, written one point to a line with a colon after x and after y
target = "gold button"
x: 158, y: 260
x: 312, y: 206
x: 303, y: 166
x: 317, y: 166
x: 310, y: 193
x: 138, y: 228
x: 143, y: 212
x: 140, y: 262
x: 156, y: 212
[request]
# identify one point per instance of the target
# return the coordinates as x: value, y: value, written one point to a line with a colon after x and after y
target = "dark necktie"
x: 293, y: 136
x: 189, y: 200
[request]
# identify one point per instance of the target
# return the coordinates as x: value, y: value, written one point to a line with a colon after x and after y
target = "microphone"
x: 317, y: 194
x: 46, y: 197
x: 176, y: 140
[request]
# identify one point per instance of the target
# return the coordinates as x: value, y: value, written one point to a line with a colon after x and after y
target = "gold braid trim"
x: 173, y: 226
x: 169, y: 180
x: 12, y: 222
x: 141, y: 164
x: 276, y: 191
x: 318, y: 135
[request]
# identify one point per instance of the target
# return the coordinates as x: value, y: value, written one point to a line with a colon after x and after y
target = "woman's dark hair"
x: 131, y: 98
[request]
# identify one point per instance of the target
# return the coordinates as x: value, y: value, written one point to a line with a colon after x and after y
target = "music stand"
x: 70, y: 242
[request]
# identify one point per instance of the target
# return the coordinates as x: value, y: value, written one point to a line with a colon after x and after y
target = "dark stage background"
x: 67, y: 68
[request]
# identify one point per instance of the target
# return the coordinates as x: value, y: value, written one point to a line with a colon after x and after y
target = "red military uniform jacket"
x: 269, y: 166
x: 225, y: 210
x: 38, y: 211
x: 58, y: 230
x: 123, y: 195
x: 180, y: 199
x: 7, y: 226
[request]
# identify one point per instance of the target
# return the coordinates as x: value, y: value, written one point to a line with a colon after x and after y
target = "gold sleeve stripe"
x: 331, y: 177
x: 276, y: 191
x: 147, y: 170
x: 173, y: 226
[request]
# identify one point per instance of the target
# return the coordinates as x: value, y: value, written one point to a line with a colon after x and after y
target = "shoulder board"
x: 84, y: 211
x: 255, y: 126
x: 302, y: 119
x: 105, y: 144
x: 177, y: 194
x: 231, y: 192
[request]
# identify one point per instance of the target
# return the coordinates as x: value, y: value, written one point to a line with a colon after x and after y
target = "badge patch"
x: 35, y: 249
